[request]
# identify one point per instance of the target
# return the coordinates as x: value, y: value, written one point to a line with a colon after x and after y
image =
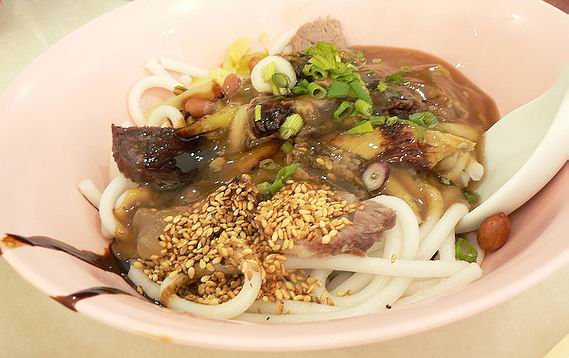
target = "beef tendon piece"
x: 308, y: 219
x: 159, y: 157
x: 419, y: 148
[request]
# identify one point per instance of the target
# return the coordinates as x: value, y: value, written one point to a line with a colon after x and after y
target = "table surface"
x: 33, y: 325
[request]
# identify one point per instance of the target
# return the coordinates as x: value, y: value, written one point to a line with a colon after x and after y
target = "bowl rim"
x: 103, y: 308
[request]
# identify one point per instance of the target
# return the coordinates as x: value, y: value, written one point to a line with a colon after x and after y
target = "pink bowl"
x: 56, y: 118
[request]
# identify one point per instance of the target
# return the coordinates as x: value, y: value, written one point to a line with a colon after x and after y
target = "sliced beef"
x: 322, y: 29
x: 158, y: 157
x: 368, y: 227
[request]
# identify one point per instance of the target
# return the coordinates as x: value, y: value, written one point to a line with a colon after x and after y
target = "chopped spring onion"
x: 344, y: 110
x: 376, y: 61
x: 338, y: 89
x: 268, y: 164
x: 291, y: 126
x: 315, y: 72
x: 382, y: 86
x: 406, y: 69
x: 364, y: 127
x: 282, y: 176
x: 287, y: 147
x: 394, y: 78
x: 465, y: 251
x: 280, y: 80
x: 391, y: 120
x: 360, y: 91
x: 258, y: 113
x: 316, y: 90
x: 378, y: 120
x: 472, y: 197
x: 424, y: 119
x: 301, y: 87
x: 179, y: 90
x: 363, y: 108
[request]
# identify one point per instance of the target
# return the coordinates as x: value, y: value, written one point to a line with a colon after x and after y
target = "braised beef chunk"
x: 273, y: 114
x: 368, y: 227
x: 158, y: 157
x: 322, y: 29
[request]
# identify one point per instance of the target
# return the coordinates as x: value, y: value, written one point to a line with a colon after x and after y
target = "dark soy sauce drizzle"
x: 107, y: 262
x: 71, y: 300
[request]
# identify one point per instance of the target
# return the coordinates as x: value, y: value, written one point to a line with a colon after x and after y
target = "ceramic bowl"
x: 55, y: 119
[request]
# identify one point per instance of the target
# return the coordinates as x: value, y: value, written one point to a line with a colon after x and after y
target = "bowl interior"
x: 56, y: 118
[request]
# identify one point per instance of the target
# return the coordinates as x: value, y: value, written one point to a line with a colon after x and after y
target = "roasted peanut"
x: 231, y: 85
x: 198, y: 107
x: 494, y: 232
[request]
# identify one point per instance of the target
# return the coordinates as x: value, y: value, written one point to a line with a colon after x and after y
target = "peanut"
x: 231, y: 85
x: 494, y: 232
x: 198, y: 107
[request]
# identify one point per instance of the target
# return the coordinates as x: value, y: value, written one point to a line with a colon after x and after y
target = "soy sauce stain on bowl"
x: 71, y: 300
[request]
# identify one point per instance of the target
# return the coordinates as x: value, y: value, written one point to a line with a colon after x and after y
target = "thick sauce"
x: 463, y: 110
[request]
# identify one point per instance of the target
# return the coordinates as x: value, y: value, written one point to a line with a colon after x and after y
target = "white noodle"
x: 186, y: 80
x: 227, y: 310
x: 280, y: 44
x: 90, y: 192
x: 116, y: 188
x: 139, y: 278
x: 420, y: 284
x: 183, y: 67
x: 378, y: 266
x: 155, y: 68
x: 427, y: 226
x: 164, y: 113
x: 289, y: 307
x: 322, y: 276
x: 447, y: 250
x: 139, y: 88
x: 338, y: 279
x: 391, y: 250
x: 446, y: 285
x: 440, y: 232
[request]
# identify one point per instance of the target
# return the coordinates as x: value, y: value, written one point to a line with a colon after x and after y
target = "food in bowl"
x: 298, y: 184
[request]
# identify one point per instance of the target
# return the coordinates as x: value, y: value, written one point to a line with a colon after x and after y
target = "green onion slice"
x: 280, y: 180
x: 316, y: 90
x: 465, y: 251
x: 364, y: 127
x: 338, y: 89
x: 424, y: 119
x: 406, y: 69
x: 280, y: 80
x: 344, y: 110
x: 391, y: 120
x: 360, y: 91
x: 287, y: 147
x: 382, y: 86
x: 291, y: 126
x: 394, y: 78
x: 363, y: 108
x: 258, y: 113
